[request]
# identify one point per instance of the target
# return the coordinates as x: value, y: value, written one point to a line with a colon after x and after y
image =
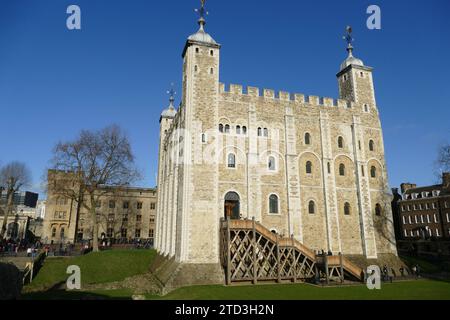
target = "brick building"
x: 424, y: 216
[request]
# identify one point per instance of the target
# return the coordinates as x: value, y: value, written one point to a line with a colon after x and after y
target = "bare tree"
x: 93, y: 162
x: 13, y: 177
x: 443, y: 161
x: 383, y: 222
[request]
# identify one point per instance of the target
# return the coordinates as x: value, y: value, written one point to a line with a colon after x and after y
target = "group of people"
x: 388, y: 276
x: 14, y: 247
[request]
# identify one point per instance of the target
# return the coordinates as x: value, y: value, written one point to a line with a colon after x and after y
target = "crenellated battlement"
x: 239, y: 90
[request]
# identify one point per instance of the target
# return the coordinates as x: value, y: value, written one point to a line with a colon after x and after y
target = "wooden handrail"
x: 291, y: 242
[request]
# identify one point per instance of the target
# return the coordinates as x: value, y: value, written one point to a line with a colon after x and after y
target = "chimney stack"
x: 406, y: 186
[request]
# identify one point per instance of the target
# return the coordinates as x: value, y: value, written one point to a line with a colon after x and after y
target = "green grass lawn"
x: 110, y: 266
x: 98, y: 267
x: 404, y: 290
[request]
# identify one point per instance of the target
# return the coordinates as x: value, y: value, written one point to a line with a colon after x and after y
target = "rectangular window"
x: 152, y: 206
x: 428, y: 218
x: 409, y: 207
x: 415, y: 219
x: 124, y: 218
x: 404, y: 220
x: 109, y: 232
x: 138, y: 218
x: 448, y: 217
x: 137, y: 233
x: 123, y: 233
x: 427, y: 206
x: 126, y: 204
x: 151, y: 233
x: 435, y: 218
x: 98, y: 204
x: 409, y: 220
x: 152, y: 220
x: 414, y: 207
x: 405, y: 232
x: 112, y: 204
x: 437, y: 232
x: 139, y: 205
x: 411, y: 233
x: 421, y: 218
x: 111, y: 217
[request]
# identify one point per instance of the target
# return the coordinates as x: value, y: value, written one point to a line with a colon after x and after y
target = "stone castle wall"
x: 195, y: 177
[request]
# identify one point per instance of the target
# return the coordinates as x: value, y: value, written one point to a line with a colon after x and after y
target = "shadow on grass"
x: 55, y: 293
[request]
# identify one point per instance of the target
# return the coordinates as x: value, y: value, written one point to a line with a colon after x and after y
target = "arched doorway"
x: 231, y: 207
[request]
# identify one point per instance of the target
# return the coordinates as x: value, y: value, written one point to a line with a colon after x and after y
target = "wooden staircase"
x: 251, y: 252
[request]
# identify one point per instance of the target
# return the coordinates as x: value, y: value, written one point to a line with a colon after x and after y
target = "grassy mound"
x: 96, y: 267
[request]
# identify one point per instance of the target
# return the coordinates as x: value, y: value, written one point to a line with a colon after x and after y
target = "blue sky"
x: 117, y: 69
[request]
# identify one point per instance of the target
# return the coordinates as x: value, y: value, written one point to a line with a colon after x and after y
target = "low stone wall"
x: 10, y: 282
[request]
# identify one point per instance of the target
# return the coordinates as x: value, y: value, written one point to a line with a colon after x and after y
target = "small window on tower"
x: 211, y: 71
x: 340, y: 142
x: 366, y: 108
x: 195, y: 68
x: 197, y: 50
x: 345, y: 77
x: 211, y: 53
x: 361, y: 74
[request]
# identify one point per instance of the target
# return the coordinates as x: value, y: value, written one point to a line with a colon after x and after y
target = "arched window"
x: 273, y: 203
x: 238, y: 129
x: 227, y: 128
x: 311, y: 207
x: 62, y: 233
x: 342, y: 169
x: 272, y: 164
x: 220, y: 127
x: 259, y: 132
x: 266, y: 132
x: 307, y: 138
x: 231, y: 161
x: 347, y: 209
x: 244, y: 130
x: 211, y: 71
x: 308, y: 167
x: 371, y: 145
x: 378, y: 209
x: 340, y: 142
x: 329, y: 168
x: 373, y: 172
x: 195, y: 68
x: 53, y: 232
